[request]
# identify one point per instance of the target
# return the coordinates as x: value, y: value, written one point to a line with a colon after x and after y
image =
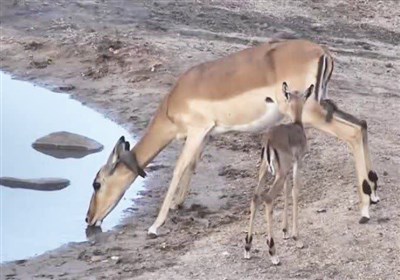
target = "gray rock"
x: 64, y: 144
x: 39, y: 184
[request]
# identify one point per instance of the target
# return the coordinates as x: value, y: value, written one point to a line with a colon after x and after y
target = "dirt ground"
x: 121, y: 57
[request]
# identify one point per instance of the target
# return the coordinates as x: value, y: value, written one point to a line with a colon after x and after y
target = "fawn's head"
x: 294, y: 101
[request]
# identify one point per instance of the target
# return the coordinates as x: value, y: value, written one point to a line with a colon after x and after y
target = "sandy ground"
x: 121, y: 57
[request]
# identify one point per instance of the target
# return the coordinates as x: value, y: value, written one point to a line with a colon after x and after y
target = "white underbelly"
x: 271, y: 117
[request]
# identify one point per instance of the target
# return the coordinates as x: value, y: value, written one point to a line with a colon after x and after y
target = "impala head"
x: 294, y: 101
x: 111, y: 182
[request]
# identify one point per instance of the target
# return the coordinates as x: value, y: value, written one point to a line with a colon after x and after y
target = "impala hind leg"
x: 268, y: 199
x: 194, y: 141
x: 253, y: 208
x: 328, y: 118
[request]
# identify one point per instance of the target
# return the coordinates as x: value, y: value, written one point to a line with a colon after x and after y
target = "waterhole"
x: 33, y: 222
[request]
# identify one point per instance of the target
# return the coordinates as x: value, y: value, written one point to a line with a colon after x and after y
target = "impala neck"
x: 159, y: 134
x: 298, y: 115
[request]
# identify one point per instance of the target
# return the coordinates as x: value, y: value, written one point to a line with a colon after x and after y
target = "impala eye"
x: 96, y: 186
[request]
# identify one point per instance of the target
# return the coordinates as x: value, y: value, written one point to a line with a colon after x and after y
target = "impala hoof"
x: 152, y: 232
x: 285, y: 234
x: 374, y: 199
x: 246, y: 255
x: 176, y: 206
x: 275, y: 260
x: 363, y: 220
x: 374, y: 202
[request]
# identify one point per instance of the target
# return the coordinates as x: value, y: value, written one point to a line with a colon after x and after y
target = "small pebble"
x: 96, y: 258
x: 299, y: 245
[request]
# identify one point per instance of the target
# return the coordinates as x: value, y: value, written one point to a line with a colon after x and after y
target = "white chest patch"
x: 271, y: 117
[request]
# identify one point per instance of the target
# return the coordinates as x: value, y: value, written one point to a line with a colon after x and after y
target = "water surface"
x: 33, y: 222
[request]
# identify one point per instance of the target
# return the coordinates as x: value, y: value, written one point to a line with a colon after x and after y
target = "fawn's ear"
x: 285, y: 90
x: 308, y: 92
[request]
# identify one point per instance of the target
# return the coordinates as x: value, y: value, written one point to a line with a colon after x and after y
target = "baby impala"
x: 283, y: 147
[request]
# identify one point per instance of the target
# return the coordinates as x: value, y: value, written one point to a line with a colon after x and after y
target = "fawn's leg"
x: 295, y: 196
x: 268, y: 199
x: 286, y: 190
x: 253, y: 209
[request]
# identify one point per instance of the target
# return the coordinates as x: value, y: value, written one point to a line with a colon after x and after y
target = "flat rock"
x: 39, y: 184
x: 65, y: 144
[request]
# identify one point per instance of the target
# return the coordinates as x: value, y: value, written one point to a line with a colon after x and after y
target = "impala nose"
x: 86, y: 220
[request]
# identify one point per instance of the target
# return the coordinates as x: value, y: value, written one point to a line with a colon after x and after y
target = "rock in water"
x: 40, y: 184
x: 65, y: 144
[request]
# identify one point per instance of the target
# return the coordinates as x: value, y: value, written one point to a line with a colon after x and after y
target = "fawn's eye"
x: 96, y: 186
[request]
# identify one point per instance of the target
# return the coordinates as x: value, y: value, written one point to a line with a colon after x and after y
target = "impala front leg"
x: 327, y: 117
x: 183, y: 187
x: 194, y: 141
x: 184, y: 184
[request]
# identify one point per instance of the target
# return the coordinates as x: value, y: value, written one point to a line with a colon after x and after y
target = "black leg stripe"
x: 372, y: 176
x: 366, y: 188
x: 277, y: 157
x: 271, y: 253
x: 330, y: 108
x: 248, y: 239
x: 271, y: 243
x: 323, y: 78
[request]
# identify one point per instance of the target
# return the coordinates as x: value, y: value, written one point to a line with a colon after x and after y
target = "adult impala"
x: 239, y: 92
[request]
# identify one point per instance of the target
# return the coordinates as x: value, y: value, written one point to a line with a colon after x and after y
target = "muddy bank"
x: 121, y: 58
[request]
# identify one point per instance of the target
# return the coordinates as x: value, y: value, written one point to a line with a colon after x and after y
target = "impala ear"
x: 119, y: 147
x: 127, y: 146
x: 308, y: 91
x: 129, y: 159
x: 285, y: 90
x: 121, y: 154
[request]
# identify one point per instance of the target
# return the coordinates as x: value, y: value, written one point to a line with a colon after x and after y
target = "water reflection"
x: 64, y: 144
x: 92, y: 231
x: 62, y: 154
x: 53, y: 218
x: 38, y: 184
